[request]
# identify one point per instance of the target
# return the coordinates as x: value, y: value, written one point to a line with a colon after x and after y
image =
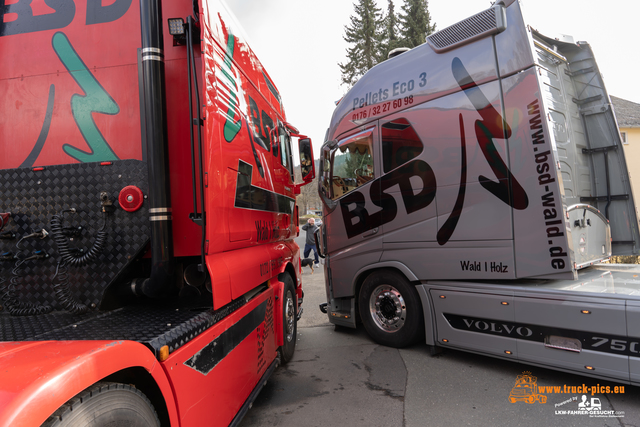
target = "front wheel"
x: 390, y: 309
x: 105, y: 405
x: 289, y: 319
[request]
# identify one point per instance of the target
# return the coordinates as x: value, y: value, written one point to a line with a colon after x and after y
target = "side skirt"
x: 256, y: 391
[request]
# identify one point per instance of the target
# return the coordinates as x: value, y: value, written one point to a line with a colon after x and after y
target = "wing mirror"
x: 307, y: 166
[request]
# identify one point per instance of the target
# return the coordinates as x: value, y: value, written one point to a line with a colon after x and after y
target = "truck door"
x: 350, y: 183
x: 449, y: 156
x: 410, y: 181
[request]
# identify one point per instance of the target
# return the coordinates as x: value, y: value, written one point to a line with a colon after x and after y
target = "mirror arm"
x: 291, y: 128
x: 297, y: 188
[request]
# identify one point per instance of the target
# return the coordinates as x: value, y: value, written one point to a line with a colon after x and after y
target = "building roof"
x: 627, y: 112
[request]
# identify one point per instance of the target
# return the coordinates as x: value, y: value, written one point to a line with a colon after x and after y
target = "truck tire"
x: 391, y: 310
x: 106, y: 404
x: 289, y: 318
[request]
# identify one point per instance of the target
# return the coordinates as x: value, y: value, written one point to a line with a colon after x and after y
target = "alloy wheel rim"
x: 289, y: 316
x: 388, y: 308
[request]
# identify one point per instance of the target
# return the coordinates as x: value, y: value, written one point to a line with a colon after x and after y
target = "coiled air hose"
x: 61, y: 278
x: 8, y: 293
x: 63, y: 243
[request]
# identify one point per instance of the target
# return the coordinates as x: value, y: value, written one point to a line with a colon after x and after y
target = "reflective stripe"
x: 153, y: 58
x: 152, y: 50
x: 159, y: 210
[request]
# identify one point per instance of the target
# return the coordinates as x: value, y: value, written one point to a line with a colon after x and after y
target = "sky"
x: 300, y: 43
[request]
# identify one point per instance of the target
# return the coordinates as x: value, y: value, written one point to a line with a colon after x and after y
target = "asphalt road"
x: 340, y: 377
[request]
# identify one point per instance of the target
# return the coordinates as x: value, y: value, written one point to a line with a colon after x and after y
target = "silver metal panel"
x: 347, y: 262
x: 429, y: 74
x: 609, y: 281
x: 606, y: 365
x: 633, y: 332
x: 440, y: 125
x: 429, y: 320
x: 390, y: 264
x: 487, y: 306
x: 473, y: 305
x: 467, y: 263
x: 591, y: 235
x: 542, y: 240
x: 348, y: 255
x: 609, y: 178
x: 563, y: 116
x: 471, y: 341
x: 602, y: 318
x: 421, y: 227
x: 483, y: 218
x: 513, y: 47
x: 342, y: 311
x: 633, y: 317
x: 634, y: 370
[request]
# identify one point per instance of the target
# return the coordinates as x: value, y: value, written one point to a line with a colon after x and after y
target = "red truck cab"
x: 148, y: 215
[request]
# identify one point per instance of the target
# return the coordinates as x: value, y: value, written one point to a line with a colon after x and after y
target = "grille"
x: 491, y: 21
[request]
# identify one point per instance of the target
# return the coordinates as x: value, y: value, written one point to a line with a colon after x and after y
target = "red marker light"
x: 130, y: 198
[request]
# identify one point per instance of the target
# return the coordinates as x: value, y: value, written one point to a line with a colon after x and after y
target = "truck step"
x: 152, y: 326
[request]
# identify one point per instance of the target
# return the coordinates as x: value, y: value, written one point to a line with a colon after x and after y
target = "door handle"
x: 371, y: 233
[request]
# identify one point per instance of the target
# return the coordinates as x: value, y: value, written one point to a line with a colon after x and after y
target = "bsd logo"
x: 21, y: 18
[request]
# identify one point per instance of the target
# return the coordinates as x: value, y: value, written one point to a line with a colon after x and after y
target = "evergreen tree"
x: 415, y: 23
x: 365, y: 35
x: 391, y: 38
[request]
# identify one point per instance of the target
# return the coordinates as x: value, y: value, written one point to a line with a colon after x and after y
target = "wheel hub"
x: 387, y: 308
x: 289, y: 317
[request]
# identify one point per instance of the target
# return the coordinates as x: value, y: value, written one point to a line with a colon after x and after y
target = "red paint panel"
x: 186, y: 234
x: 215, y: 398
x: 38, y: 377
x: 31, y: 71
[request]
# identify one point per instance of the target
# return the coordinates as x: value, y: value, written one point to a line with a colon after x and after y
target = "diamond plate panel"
x: 33, y: 197
x: 154, y: 326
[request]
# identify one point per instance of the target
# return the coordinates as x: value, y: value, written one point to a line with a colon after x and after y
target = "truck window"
x: 351, y: 164
x: 400, y: 143
x: 284, y: 140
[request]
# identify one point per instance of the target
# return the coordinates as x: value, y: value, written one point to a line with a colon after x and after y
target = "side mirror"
x: 307, y: 166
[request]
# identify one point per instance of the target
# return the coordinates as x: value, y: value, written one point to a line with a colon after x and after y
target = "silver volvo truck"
x: 472, y: 188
